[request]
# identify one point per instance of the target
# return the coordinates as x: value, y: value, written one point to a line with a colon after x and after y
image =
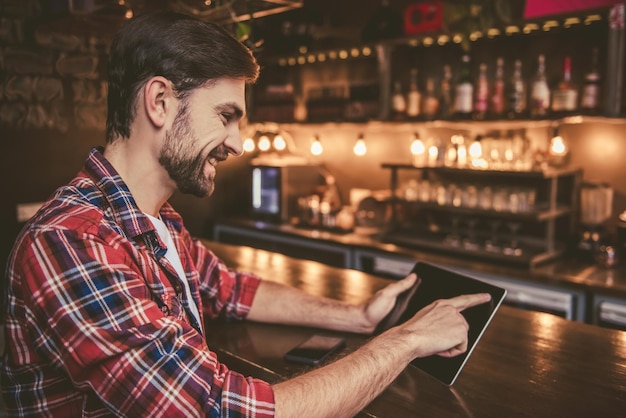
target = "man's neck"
x: 146, y: 179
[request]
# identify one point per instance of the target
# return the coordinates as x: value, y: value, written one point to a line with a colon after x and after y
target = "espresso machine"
x: 596, y: 208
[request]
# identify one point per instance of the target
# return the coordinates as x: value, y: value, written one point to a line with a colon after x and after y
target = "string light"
x: 248, y: 145
x: 264, y: 143
x: 360, y: 148
x: 268, y: 137
x: 279, y: 143
x: 558, y: 150
x: 316, y: 146
x: 557, y: 146
x: 418, y: 150
x: 475, y: 150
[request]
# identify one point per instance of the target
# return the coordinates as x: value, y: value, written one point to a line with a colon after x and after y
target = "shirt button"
x: 178, y: 288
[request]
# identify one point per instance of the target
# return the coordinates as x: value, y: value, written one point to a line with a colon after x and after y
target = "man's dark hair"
x: 181, y: 48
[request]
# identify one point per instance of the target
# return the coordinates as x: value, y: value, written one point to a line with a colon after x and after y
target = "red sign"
x: 425, y: 16
x: 539, y: 8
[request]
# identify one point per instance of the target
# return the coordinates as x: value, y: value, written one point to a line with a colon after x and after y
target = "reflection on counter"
x: 568, y: 286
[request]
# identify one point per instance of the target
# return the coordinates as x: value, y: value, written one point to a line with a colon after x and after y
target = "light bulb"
x: 248, y: 145
x: 279, y: 143
x: 264, y: 143
x: 316, y: 146
x: 476, y: 150
x: 558, y: 152
x: 417, y: 147
x: 433, y: 154
x: 360, y: 148
x: 558, y: 146
x: 418, y: 150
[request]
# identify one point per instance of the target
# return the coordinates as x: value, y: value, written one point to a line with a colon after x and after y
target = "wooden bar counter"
x: 527, y: 364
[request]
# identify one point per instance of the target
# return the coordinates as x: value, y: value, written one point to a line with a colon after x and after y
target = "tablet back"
x: 435, y: 282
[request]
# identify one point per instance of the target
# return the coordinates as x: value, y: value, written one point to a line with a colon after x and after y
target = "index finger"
x: 467, y: 301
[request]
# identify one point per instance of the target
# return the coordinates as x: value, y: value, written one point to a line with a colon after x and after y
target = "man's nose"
x: 233, y: 142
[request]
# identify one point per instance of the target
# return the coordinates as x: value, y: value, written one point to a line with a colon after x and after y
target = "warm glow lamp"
x: 268, y: 138
x: 279, y: 143
x: 558, y: 150
x: 264, y: 143
x: 360, y: 148
x: 316, y: 146
x: 418, y: 150
x: 248, y: 145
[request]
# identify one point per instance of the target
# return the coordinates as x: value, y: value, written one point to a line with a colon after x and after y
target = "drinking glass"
x: 470, y: 196
x: 493, y: 243
x: 455, y: 195
x: 470, y: 242
x: 423, y: 192
x: 454, y: 238
x: 500, y: 199
x: 485, y: 198
x: 513, y: 247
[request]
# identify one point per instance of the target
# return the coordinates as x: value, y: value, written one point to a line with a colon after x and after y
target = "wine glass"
x: 470, y: 242
x: 453, y: 238
x: 492, y: 244
x: 513, y: 247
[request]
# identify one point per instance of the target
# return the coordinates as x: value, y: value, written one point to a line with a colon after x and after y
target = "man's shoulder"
x: 77, y: 206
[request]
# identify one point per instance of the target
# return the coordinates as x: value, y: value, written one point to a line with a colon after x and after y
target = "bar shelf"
x: 538, y: 233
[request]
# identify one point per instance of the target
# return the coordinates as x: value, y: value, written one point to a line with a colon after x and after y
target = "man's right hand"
x: 440, y: 328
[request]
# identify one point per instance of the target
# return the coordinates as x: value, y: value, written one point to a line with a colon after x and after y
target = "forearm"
x: 346, y: 386
x: 277, y: 303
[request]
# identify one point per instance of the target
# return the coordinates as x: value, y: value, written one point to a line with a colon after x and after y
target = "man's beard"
x: 184, y: 160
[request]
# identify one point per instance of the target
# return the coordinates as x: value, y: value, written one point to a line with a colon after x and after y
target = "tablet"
x: 434, y: 283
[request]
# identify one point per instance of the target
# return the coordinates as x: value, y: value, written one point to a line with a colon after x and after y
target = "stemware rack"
x: 516, y: 231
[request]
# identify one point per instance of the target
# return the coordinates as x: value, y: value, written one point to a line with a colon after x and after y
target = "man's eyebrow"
x: 231, y: 107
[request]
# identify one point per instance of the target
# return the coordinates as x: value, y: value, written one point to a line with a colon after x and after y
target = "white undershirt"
x: 174, y: 259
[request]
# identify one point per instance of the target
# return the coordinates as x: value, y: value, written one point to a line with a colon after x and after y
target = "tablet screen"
x: 434, y: 283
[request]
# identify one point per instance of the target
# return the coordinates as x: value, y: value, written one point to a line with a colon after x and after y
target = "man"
x: 107, y: 289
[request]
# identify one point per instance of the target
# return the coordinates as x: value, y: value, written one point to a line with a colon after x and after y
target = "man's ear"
x: 157, y: 95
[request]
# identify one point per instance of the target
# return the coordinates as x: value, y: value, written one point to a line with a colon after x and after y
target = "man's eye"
x: 227, y: 117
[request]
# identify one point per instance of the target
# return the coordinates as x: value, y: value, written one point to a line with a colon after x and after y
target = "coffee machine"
x: 280, y: 183
x: 596, y: 208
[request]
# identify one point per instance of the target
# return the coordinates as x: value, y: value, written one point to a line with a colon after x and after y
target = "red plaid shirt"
x: 97, y: 321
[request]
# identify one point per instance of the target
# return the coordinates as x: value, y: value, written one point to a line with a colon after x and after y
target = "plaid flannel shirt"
x: 96, y: 319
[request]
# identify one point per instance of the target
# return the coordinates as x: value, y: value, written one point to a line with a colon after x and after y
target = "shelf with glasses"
x: 540, y: 212
x: 520, y: 217
x: 525, y: 251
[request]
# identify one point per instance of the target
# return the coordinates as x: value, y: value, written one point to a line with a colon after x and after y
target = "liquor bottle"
x: 497, y: 104
x: 430, y: 102
x: 540, y: 91
x: 516, y: 93
x: 445, y: 94
x: 481, y: 101
x: 590, y: 97
x: 398, y: 102
x: 413, y: 96
x: 565, y: 94
x: 464, y: 91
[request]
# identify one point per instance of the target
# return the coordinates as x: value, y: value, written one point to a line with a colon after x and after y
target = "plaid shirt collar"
x: 121, y: 203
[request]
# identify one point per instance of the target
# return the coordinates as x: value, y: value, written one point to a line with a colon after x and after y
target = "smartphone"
x: 315, y: 350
